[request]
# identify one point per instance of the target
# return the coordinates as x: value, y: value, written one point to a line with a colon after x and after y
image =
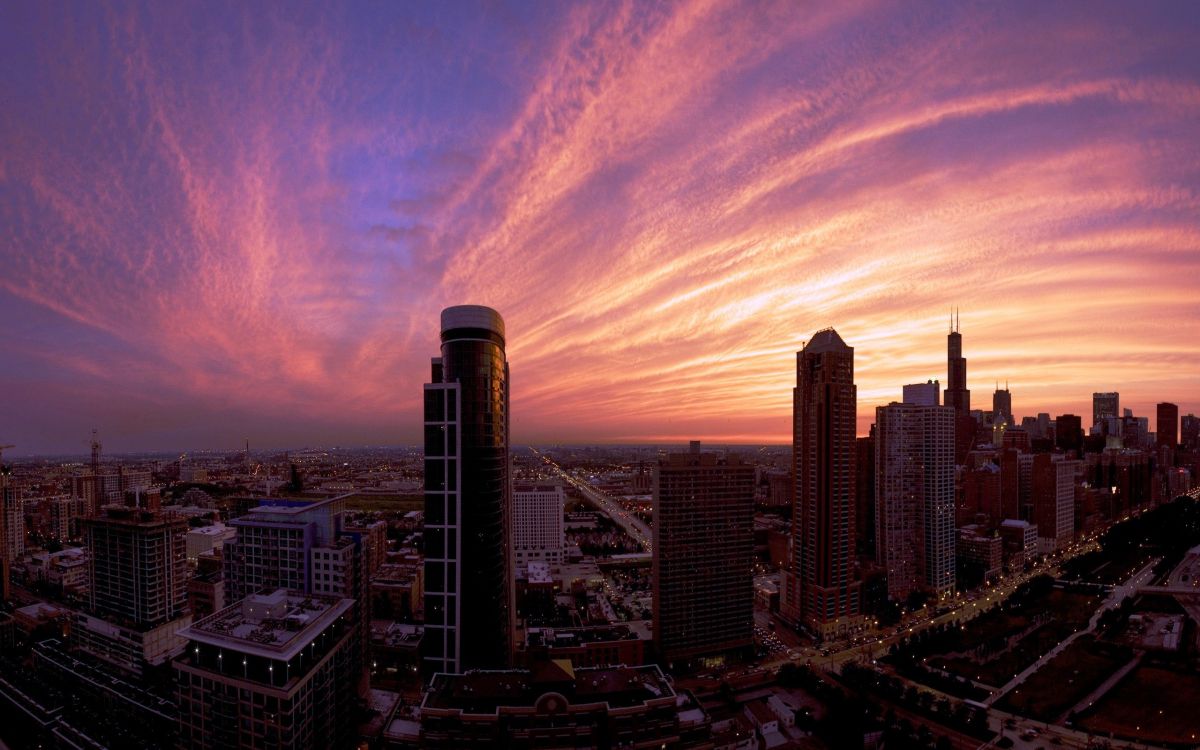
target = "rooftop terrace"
x: 484, y: 692
x: 273, y: 626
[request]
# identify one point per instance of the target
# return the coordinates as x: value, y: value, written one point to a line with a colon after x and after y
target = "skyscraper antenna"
x: 951, y: 320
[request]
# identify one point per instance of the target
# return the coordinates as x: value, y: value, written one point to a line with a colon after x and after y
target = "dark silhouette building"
x: 1167, y: 425
x: 957, y: 395
x: 703, y: 555
x: 821, y: 589
x: 1189, y: 429
x: 468, y: 587
x: 1068, y: 433
x: 1105, y: 405
x: 864, y: 490
x: 1002, y: 404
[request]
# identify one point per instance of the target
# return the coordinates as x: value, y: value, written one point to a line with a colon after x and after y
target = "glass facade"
x: 467, y: 586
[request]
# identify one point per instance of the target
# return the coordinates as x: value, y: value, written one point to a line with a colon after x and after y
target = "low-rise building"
x: 207, y: 538
x: 555, y: 705
x: 599, y: 646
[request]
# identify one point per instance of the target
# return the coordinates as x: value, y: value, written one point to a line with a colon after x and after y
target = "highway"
x: 607, y: 504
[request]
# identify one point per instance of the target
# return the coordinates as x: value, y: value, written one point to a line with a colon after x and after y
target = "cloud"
x: 261, y: 214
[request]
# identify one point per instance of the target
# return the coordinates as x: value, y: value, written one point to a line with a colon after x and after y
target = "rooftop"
x: 285, y: 508
x: 826, y: 340
x: 564, y: 637
x: 273, y: 626
x: 485, y: 692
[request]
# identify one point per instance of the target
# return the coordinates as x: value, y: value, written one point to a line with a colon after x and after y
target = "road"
x: 607, y: 504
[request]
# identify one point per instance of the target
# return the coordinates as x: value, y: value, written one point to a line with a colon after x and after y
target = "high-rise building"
x: 1190, y: 432
x: 270, y: 671
x: 864, y: 490
x: 703, y: 556
x: 914, y: 485
x: 1167, y: 425
x: 303, y: 546
x: 137, y: 578
x: 923, y: 394
x: 821, y: 590
x: 6, y: 499
x: 138, y: 569
x: 957, y: 395
x: 1068, y: 433
x: 468, y: 568
x: 1010, y: 484
x: 12, y: 523
x: 1105, y: 405
x: 1053, y: 501
x: 1002, y: 404
x: 538, y: 523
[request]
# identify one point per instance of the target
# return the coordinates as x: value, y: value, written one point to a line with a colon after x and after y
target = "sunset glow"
x: 222, y: 223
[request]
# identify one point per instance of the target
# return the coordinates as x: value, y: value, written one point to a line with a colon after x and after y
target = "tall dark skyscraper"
x: 703, y: 556
x: 1167, y: 424
x: 822, y: 590
x: 1104, y: 405
x: 957, y: 395
x: 1002, y: 403
x: 468, y: 587
x: 1068, y: 433
x: 1189, y: 432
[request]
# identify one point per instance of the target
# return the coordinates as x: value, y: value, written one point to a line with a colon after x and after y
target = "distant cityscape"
x: 960, y: 577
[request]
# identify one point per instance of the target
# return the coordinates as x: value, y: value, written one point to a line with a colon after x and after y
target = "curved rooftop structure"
x: 471, y: 317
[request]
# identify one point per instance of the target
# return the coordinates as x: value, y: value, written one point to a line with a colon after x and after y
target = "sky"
x: 226, y: 221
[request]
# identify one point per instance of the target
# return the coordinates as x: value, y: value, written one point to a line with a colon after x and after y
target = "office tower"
x: 1068, y: 433
x: 1045, y: 427
x: 538, y: 523
x: 138, y: 566
x: 957, y: 395
x: 821, y: 590
x: 703, y: 555
x: 923, y: 394
x: 1167, y: 424
x: 1010, y: 484
x: 981, y: 495
x: 270, y: 671
x: 864, y: 490
x: 1190, y: 432
x: 468, y: 578
x: 1053, y: 501
x: 1105, y: 405
x: 1002, y: 405
x: 1016, y: 437
x: 914, y: 485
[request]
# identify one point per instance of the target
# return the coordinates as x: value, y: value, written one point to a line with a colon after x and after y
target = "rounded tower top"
x: 471, y: 317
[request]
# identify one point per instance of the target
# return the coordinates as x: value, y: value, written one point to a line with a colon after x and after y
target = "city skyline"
x: 240, y: 224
